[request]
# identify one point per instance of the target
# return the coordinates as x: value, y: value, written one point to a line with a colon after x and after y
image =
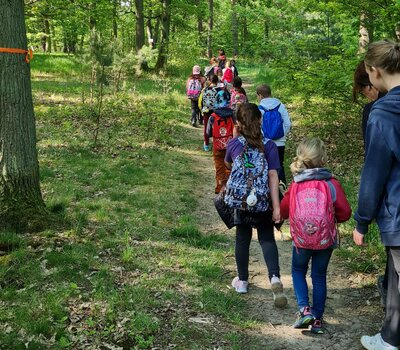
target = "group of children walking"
x: 248, y: 149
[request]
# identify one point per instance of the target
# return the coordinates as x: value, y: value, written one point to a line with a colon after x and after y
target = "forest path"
x: 351, y: 309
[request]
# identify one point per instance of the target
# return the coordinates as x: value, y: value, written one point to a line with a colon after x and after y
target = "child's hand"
x: 358, y: 238
x: 276, y: 215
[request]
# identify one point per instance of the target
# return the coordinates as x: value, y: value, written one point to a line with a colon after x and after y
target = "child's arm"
x: 285, y: 204
x: 273, y: 183
x: 342, y: 206
x: 209, y: 126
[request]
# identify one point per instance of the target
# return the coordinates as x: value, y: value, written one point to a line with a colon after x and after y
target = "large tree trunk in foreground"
x: 21, y: 201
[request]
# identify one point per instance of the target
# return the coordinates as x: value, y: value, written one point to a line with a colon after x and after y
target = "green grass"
x: 129, y: 264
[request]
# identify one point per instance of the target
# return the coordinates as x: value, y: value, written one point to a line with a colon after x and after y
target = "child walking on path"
x: 220, y: 127
x: 314, y: 203
x: 378, y: 197
x: 249, y: 137
x: 194, y: 85
x: 268, y: 103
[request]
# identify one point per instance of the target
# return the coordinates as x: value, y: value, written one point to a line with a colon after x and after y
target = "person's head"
x: 213, y: 60
x: 219, y: 72
x: 362, y: 85
x: 221, y: 52
x: 214, y: 79
x: 382, y: 60
x: 248, y: 118
x: 228, y: 64
x: 196, y: 70
x: 310, y: 153
x: 233, y: 62
x: 237, y: 83
x: 263, y: 91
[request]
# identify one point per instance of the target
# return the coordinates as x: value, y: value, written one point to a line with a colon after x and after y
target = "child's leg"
x: 281, y: 173
x: 220, y: 169
x: 242, y: 246
x: 195, y: 108
x: 206, y: 116
x: 269, y: 248
x: 319, y: 266
x: 300, y: 260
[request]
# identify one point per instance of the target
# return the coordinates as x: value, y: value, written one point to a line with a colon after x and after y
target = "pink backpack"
x: 312, y: 215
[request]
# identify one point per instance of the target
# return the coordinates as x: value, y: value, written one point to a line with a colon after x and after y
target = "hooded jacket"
x: 340, y: 203
x: 271, y: 103
x: 379, y: 194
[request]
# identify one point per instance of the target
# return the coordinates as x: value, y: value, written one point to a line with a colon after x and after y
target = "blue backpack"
x: 247, y: 186
x: 272, y: 123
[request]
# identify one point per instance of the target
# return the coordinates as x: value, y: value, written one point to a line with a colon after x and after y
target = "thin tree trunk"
x: 149, y: 31
x: 165, y: 27
x: 48, y: 34
x: 20, y: 197
x: 210, y: 27
x: 115, y: 24
x: 234, y: 28
x: 139, y: 40
x: 364, y: 38
x: 53, y: 34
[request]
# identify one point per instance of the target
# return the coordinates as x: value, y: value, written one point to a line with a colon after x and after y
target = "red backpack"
x: 222, y: 131
x: 228, y: 75
x: 312, y: 214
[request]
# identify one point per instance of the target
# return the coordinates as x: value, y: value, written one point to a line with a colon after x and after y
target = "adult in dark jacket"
x: 380, y: 181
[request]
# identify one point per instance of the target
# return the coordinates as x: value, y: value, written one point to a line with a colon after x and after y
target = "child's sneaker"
x: 304, y: 319
x: 240, y: 286
x: 316, y: 326
x: 376, y: 343
x: 280, y: 299
x: 206, y: 148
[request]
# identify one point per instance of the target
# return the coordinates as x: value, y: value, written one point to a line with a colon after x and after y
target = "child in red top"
x: 308, y: 166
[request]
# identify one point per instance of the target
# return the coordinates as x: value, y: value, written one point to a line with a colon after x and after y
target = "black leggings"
x: 268, y: 245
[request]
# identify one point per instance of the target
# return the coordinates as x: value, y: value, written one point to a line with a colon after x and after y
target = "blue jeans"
x: 319, y: 265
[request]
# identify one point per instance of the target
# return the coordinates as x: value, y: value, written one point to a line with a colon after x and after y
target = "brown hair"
x: 249, y: 116
x: 237, y: 84
x: 384, y: 54
x: 264, y: 90
x: 360, y: 79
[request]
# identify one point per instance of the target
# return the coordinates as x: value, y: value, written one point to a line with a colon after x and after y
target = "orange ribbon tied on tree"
x: 28, y: 53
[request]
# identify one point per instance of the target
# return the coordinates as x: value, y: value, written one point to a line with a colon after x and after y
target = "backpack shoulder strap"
x: 261, y: 108
x: 333, y: 190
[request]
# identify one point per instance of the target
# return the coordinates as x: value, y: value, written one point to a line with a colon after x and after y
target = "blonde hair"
x: 384, y: 54
x: 310, y: 153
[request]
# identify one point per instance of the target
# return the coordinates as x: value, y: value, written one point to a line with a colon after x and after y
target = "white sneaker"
x: 280, y: 299
x: 240, y: 286
x: 376, y: 343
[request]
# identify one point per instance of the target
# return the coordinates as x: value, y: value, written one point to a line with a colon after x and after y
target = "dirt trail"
x: 351, y: 310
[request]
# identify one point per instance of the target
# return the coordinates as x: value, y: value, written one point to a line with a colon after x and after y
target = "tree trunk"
x: 21, y: 202
x: 165, y: 26
x: 149, y: 30
x: 234, y: 29
x: 364, y: 34
x: 210, y: 27
x: 48, y: 34
x: 115, y: 24
x: 199, y: 22
x: 139, y: 40
x: 156, y: 32
x: 53, y: 34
